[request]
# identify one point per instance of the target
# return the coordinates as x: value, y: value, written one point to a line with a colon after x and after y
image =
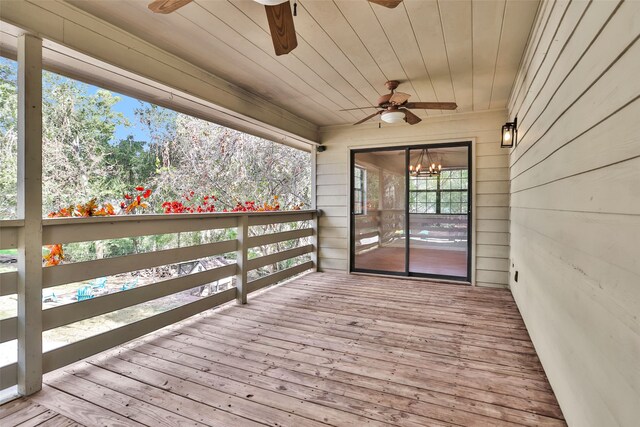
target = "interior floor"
x: 421, y: 260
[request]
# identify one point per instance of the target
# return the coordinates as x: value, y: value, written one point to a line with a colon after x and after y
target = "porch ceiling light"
x: 509, y: 136
x: 393, y: 116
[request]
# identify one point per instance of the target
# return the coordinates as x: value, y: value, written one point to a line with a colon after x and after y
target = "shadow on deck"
x: 323, y: 349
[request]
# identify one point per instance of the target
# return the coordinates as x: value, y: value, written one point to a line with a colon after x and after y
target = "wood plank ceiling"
x: 441, y: 50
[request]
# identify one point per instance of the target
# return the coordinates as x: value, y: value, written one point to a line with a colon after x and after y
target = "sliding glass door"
x: 411, y: 211
x: 379, y: 211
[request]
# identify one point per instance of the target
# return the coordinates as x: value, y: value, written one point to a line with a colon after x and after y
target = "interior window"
x: 446, y: 193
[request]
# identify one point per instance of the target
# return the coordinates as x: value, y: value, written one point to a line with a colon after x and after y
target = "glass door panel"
x: 378, y: 211
x: 438, y: 211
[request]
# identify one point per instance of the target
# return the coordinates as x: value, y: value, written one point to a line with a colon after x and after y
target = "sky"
x: 126, y: 106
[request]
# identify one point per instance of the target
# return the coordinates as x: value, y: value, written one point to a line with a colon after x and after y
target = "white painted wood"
x: 459, y: 41
x: 8, y: 376
x: 30, y: 209
x: 573, y: 15
x: 493, y: 264
x: 9, y: 233
x: 588, y: 72
x: 315, y: 257
x: 314, y: 204
x: 518, y: 16
x: 70, y: 63
x: 79, y: 350
x: 70, y: 313
x: 254, y: 263
x: 492, y: 213
x: 8, y: 329
x: 280, y: 217
x: 268, y: 239
x: 492, y: 251
x: 69, y: 230
x: 242, y: 239
x: 488, y: 17
x: 8, y: 283
x: 68, y: 25
x: 346, y: 51
x: 575, y: 208
x: 75, y: 272
x: 271, y: 279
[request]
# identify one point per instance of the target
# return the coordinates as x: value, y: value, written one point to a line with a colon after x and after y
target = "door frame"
x: 470, y: 219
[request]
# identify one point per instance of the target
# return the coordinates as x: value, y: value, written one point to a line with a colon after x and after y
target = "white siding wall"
x: 575, y: 206
x: 492, y: 185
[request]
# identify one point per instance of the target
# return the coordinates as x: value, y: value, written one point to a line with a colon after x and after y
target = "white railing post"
x: 314, y: 205
x: 30, y: 208
x: 241, y: 259
x: 315, y: 239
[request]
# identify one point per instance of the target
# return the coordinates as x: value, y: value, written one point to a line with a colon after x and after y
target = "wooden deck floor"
x: 324, y: 349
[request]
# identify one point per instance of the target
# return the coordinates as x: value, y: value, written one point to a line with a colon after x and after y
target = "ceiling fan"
x: 279, y: 16
x: 394, y: 106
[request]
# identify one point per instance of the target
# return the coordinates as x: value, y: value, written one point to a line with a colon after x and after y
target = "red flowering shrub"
x: 91, y: 208
x: 205, y: 205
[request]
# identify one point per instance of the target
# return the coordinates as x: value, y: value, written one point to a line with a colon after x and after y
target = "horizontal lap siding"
x: 575, y: 206
x: 491, y: 190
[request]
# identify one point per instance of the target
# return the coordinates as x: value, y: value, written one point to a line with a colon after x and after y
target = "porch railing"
x: 72, y: 230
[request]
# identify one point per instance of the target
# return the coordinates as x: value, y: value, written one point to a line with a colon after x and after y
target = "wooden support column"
x: 314, y: 205
x: 241, y: 259
x: 30, y: 208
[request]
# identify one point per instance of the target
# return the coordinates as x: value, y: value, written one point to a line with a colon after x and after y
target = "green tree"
x: 77, y: 129
x: 132, y: 164
x: 8, y: 138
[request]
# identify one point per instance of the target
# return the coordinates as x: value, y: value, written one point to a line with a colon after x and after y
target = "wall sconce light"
x: 509, y: 136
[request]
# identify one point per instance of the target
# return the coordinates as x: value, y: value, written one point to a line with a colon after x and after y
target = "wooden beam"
x: 63, y: 356
x: 109, y: 52
x: 8, y: 329
x: 254, y: 263
x: 69, y: 230
x: 76, y: 272
x: 268, y: 239
x: 70, y: 313
x: 278, y: 276
x: 9, y: 233
x: 242, y: 259
x: 30, y: 208
x: 8, y: 376
x: 8, y: 283
x: 314, y: 206
x: 278, y: 218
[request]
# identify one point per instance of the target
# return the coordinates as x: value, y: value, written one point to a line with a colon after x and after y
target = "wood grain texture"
x: 443, y: 51
x: 575, y: 206
x: 323, y: 349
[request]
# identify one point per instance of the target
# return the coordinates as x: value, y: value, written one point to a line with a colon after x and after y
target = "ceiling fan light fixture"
x: 393, y: 116
x: 271, y: 2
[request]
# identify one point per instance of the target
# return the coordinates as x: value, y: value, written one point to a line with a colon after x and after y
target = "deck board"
x: 323, y: 349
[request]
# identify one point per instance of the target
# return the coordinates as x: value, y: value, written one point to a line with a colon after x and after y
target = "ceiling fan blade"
x: 369, y: 117
x: 411, y: 118
x: 399, y: 98
x: 282, y: 29
x: 167, y: 6
x: 357, y: 108
x: 431, y: 105
x: 387, y: 3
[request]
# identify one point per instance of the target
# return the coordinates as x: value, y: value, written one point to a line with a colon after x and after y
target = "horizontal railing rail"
x: 75, y: 230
